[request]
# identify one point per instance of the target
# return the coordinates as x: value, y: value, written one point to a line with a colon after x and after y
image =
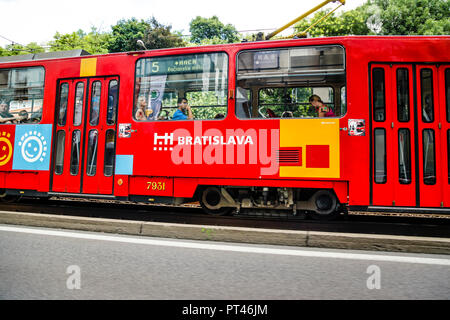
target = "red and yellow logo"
x: 6, y: 148
x: 317, y: 141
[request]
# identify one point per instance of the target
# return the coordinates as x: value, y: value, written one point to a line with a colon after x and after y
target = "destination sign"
x: 179, y: 65
x: 266, y: 60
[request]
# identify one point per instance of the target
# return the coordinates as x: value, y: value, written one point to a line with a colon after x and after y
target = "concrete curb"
x: 234, y: 234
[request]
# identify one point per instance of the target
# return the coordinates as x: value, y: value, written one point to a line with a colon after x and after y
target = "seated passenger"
x: 7, y: 117
x: 321, y: 109
x: 140, y: 111
x: 287, y: 114
x: 182, y: 108
x: 219, y: 116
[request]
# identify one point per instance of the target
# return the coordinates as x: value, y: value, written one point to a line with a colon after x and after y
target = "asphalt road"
x: 39, y: 263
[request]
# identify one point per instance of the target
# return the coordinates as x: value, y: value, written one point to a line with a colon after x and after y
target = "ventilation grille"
x: 290, y: 156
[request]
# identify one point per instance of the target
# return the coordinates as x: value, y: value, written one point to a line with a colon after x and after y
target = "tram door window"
x: 85, y: 139
x: 432, y: 126
x: 416, y: 162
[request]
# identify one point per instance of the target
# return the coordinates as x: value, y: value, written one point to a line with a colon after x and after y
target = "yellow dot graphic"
x: 6, y: 149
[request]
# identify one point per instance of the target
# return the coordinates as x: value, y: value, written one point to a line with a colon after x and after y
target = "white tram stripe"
x: 233, y: 248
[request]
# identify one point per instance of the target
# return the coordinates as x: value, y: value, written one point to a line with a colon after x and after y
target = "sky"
x: 25, y: 21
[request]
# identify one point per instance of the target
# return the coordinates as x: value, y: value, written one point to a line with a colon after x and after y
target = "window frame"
x: 426, y: 180
x: 136, y: 96
x: 40, y: 88
x: 335, y: 86
x: 398, y: 96
x: 333, y: 89
x: 385, y: 171
x: 422, y: 79
x: 374, y: 112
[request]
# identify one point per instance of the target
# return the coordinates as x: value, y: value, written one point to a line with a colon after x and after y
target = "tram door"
x: 410, y: 139
x: 433, y: 94
x: 86, y: 111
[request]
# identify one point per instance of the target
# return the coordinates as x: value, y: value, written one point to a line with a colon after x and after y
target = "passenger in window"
x: 7, y: 117
x: 183, y: 107
x: 62, y: 113
x: 95, y: 110
x: 140, y: 111
x: 321, y: 109
x: 287, y: 114
x: 219, y: 116
x: 428, y: 109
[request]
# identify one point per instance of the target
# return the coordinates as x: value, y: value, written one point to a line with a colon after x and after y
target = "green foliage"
x: 381, y: 17
x: 16, y: 49
x: 159, y: 36
x: 155, y: 35
x: 211, y: 29
x: 279, y: 100
x: 94, y: 42
x: 384, y: 17
x: 206, y: 104
x: 351, y: 22
x: 413, y: 17
x: 126, y: 33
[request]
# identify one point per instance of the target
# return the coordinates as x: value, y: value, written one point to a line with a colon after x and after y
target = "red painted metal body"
x: 154, y: 172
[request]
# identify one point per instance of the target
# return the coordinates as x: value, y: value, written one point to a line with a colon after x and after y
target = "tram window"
x: 404, y: 156
x: 60, y: 143
x: 343, y: 100
x: 293, y: 102
x: 21, y: 95
x: 426, y: 86
x: 91, y: 164
x: 78, y: 104
x: 75, y: 153
x: 62, y: 106
x: 113, y: 92
x: 380, y: 155
x: 95, y: 103
x: 429, y: 157
x: 109, y: 153
x: 277, y: 83
x: 200, y: 78
x: 378, y: 94
x: 403, y: 95
x: 447, y: 92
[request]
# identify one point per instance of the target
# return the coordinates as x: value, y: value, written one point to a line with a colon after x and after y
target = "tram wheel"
x: 10, y: 199
x: 326, y: 205
x: 210, y: 201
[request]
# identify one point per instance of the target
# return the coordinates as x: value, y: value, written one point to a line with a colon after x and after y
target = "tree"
x: 158, y: 36
x: 94, y: 42
x: 212, y: 30
x: 385, y: 17
x: 126, y: 33
x: 155, y: 35
x: 352, y: 22
x: 18, y: 49
x: 412, y: 17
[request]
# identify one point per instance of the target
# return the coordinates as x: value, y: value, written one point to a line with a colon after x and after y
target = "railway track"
x: 354, y: 222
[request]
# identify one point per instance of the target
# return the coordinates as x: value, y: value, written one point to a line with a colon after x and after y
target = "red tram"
x: 115, y: 126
